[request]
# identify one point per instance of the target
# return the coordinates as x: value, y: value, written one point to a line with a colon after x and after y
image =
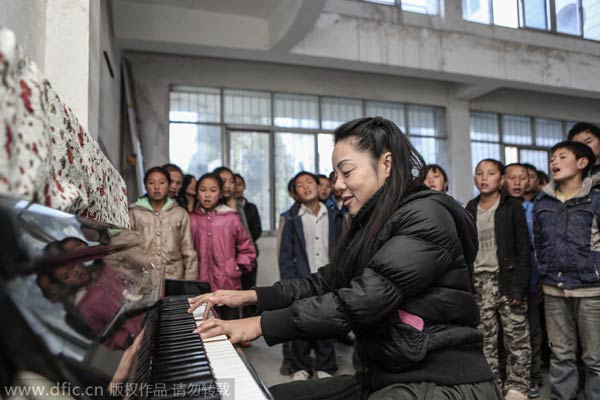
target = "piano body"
x: 85, y: 316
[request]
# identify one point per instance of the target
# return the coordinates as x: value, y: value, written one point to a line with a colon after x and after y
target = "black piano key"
x: 166, y: 376
x: 180, y: 347
x: 177, y: 366
x: 195, y: 376
x: 179, y: 357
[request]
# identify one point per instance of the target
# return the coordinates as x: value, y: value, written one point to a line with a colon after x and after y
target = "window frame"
x: 533, y: 128
x: 273, y: 130
x: 551, y: 21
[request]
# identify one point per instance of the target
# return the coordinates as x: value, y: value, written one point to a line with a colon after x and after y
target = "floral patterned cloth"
x: 45, y: 154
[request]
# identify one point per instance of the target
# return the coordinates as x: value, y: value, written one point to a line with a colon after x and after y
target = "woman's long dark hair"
x: 375, y: 136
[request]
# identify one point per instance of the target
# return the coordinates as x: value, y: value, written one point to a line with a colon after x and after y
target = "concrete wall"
x: 153, y: 74
x: 66, y: 39
x: 27, y: 18
x: 67, y: 54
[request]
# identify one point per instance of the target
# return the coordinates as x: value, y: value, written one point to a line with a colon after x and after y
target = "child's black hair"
x: 161, y: 170
x: 302, y: 173
x: 497, y: 163
x: 583, y: 127
x: 435, y: 168
x: 580, y: 150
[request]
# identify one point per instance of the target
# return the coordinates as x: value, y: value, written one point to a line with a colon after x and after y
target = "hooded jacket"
x: 224, y: 247
x: 167, y: 238
x: 420, y: 269
x: 567, y: 239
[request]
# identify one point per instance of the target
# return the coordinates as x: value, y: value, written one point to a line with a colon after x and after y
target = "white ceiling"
x: 253, y: 8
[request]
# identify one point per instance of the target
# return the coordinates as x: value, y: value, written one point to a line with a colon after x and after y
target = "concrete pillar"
x: 459, y: 146
x: 67, y: 53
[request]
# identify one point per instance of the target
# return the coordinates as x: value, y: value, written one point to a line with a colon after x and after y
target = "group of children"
x: 198, y: 229
x: 535, y: 237
x: 539, y: 245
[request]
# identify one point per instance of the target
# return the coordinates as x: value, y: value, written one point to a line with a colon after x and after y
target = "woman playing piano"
x: 399, y: 279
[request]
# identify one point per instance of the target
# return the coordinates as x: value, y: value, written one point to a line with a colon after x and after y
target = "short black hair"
x: 580, y: 150
x: 161, y: 170
x: 221, y: 169
x: 291, y: 184
x: 583, y: 127
x: 187, y: 179
x: 529, y: 166
x: 303, y: 173
x: 543, y: 177
x: 173, y: 167
x: 435, y: 168
x: 493, y: 161
x: 210, y: 175
x: 516, y: 164
x: 241, y: 178
x: 323, y: 176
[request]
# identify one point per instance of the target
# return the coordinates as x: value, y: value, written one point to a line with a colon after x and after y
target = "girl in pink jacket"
x: 223, y: 245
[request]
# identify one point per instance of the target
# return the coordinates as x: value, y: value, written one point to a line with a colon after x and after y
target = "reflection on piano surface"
x: 84, y: 306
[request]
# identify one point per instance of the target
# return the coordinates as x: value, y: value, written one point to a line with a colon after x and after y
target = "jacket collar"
x: 144, y: 203
x: 220, y: 209
x: 304, y: 210
x: 586, y: 188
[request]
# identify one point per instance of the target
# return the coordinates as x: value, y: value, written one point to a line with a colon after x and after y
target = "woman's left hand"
x: 238, y: 330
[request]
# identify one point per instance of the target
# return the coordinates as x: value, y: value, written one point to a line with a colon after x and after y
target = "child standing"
x: 588, y: 134
x: 306, y: 245
x: 516, y: 180
x: 501, y: 277
x: 436, y: 178
x: 566, y: 242
x: 165, y: 228
x: 186, y: 197
x: 224, y: 248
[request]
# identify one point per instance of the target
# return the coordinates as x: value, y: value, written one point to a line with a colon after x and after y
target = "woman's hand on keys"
x: 230, y: 298
x: 238, y: 330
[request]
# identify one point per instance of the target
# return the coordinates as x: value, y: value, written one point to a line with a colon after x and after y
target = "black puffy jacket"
x: 420, y: 267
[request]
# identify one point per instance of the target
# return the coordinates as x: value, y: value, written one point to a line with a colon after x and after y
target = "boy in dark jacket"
x: 307, y: 241
x: 567, y: 247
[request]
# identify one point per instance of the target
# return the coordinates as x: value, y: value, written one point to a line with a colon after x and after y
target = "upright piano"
x: 85, y: 315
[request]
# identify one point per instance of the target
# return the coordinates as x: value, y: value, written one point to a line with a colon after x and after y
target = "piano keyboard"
x: 189, y: 367
x: 228, y: 366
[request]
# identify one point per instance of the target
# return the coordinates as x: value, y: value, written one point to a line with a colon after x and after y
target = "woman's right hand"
x: 230, y: 298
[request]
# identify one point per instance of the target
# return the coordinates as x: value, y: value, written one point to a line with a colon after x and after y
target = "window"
x: 477, y: 11
x: 249, y: 155
x: 591, y: 19
x: 431, y: 7
x: 337, y: 111
x: 421, y: 6
x: 572, y: 17
x: 496, y: 12
x: 269, y: 137
x: 392, y: 111
x: 567, y: 17
x: 296, y: 111
x: 536, y: 14
x: 514, y: 138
